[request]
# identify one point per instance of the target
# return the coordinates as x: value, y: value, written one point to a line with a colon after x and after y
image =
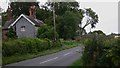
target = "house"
x: 24, y: 26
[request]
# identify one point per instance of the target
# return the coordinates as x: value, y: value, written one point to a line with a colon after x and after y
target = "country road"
x: 62, y: 58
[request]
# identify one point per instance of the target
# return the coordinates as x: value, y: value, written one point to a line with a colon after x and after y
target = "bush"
x: 11, y: 33
x: 46, y: 32
x: 112, y: 50
x: 100, y: 50
x: 27, y: 45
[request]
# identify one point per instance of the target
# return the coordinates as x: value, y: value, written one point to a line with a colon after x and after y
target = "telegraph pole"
x: 54, y: 28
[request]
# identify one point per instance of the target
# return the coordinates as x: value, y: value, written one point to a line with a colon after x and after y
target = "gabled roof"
x: 37, y: 22
x: 33, y: 21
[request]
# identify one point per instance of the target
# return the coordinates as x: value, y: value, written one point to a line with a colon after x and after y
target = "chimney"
x: 32, y: 11
x: 9, y: 13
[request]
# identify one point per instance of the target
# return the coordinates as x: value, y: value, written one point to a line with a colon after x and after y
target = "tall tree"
x: 1, y: 10
x: 62, y: 7
x: 67, y: 25
x: 43, y: 13
x: 21, y: 7
x: 91, y: 19
x: 67, y: 18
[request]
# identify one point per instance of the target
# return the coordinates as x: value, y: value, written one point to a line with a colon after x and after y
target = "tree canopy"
x: 46, y: 31
x: 68, y: 24
x: 98, y: 32
x: 62, y: 7
x: 68, y: 16
x: 91, y: 19
x: 21, y: 7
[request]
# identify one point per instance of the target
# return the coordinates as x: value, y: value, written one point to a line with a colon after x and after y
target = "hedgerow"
x: 101, y: 50
x: 27, y: 45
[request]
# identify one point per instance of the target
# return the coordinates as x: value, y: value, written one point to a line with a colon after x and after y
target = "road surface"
x: 62, y: 58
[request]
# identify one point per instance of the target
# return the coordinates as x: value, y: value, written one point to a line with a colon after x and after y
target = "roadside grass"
x: 99, y: 52
x: 77, y: 63
x: 18, y: 57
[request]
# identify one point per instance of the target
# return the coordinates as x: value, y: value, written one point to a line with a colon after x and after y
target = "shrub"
x: 11, y: 33
x: 46, y: 32
x: 25, y: 45
x: 56, y: 43
x: 100, y: 50
x: 112, y: 50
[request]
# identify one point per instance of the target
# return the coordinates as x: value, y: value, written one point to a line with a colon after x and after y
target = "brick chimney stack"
x: 32, y: 11
x: 9, y: 13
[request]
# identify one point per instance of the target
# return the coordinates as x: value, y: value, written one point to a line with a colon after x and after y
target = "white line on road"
x: 48, y: 60
x: 67, y: 54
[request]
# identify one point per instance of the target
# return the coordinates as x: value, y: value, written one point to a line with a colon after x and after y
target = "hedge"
x: 27, y: 45
x: 101, y: 50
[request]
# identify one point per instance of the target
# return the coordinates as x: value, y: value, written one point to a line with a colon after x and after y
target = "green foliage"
x: 69, y: 42
x: 98, y: 32
x: 46, y: 32
x: 94, y: 17
x: 101, y: 51
x: 4, y: 18
x: 112, y: 50
x: 21, y: 8
x: 67, y: 25
x: 68, y: 16
x: 43, y: 14
x: 62, y: 7
x: 49, y: 21
x: 20, y: 57
x: 26, y: 45
x: 11, y: 33
x: 56, y: 43
x: 93, y: 50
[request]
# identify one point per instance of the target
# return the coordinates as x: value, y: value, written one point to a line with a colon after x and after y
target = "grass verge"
x: 77, y: 64
x: 18, y: 57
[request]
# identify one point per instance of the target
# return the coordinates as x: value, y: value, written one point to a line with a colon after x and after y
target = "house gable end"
x: 19, y: 19
x: 24, y: 28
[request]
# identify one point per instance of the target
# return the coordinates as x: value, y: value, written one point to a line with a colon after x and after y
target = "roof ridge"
x: 33, y: 21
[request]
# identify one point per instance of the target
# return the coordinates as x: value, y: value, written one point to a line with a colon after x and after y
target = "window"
x: 22, y: 28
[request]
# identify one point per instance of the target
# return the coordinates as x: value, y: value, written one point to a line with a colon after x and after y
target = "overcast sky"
x: 107, y: 12
x: 108, y: 15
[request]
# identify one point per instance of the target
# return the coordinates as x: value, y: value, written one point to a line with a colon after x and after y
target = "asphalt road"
x: 62, y: 58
